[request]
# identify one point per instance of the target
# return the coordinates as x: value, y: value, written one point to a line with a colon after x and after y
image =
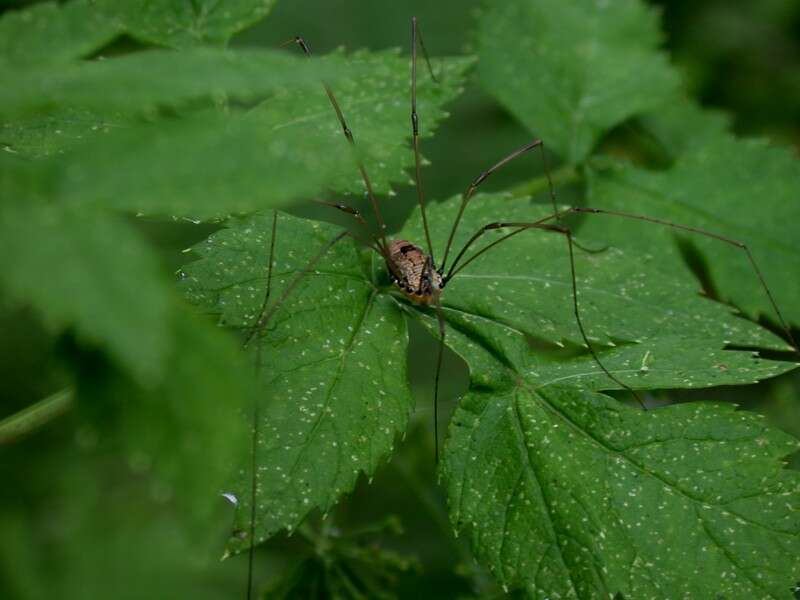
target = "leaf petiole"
x: 36, y: 415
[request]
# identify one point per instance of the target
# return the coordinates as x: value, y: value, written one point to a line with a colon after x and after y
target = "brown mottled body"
x: 414, y: 272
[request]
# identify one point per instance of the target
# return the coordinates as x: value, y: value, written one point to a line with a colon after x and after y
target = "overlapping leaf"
x: 290, y: 146
x: 333, y: 355
x: 652, y: 330
x: 97, y: 277
x: 180, y: 24
x: 205, y: 165
x: 330, y: 364
x: 209, y: 164
x: 743, y: 190
x: 142, y: 82
x: 570, y: 71
x: 49, y: 32
x: 53, y: 33
x: 683, y: 125
x: 40, y: 136
x: 106, y: 523
x: 376, y: 106
x: 188, y: 432
x: 568, y: 493
x: 89, y: 103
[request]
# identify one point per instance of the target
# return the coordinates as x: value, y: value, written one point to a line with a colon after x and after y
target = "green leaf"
x: 206, y: 165
x: 142, y: 82
x: 40, y: 136
x: 571, y: 71
x: 569, y: 494
x: 332, y: 360
x: 52, y: 33
x: 91, y: 274
x: 102, y: 524
x: 210, y: 164
x: 525, y: 471
x: 375, y: 102
x: 178, y: 24
x: 55, y: 107
x: 745, y: 190
x: 512, y: 308
x: 682, y: 125
x: 133, y: 478
x: 333, y: 393
x: 188, y: 433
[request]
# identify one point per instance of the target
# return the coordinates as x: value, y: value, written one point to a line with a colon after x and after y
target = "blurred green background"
x: 741, y: 57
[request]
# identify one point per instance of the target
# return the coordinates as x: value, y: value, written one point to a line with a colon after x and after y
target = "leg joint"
x: 479, y: 179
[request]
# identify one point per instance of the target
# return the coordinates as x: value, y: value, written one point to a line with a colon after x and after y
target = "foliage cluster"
x: 120, y: 115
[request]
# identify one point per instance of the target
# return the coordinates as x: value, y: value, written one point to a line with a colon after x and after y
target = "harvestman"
x: 416, y: 274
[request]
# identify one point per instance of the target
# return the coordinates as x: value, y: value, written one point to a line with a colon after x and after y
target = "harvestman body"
x: 415, y: 273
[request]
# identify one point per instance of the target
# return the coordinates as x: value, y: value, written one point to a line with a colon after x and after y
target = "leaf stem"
x: 563, y: 175
x: 31, y: 418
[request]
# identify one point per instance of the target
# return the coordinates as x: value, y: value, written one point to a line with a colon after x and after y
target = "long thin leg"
x: 252, y: 528
x: 741, y: 245
x: 577, y: 312
x: 519, y: 228
x: 455, y: 268
x: 263, y: 310
x: 442, y: 329
x: 483, y: 176
x: 349, y: 135
x: 255, y: 416
x: 416, y: 34
x: 542, y: 224
x: 599, y: 211
x: 265, y: 314
x: 375, y: 245
x: 689, y: 229
x: 371, y: 241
